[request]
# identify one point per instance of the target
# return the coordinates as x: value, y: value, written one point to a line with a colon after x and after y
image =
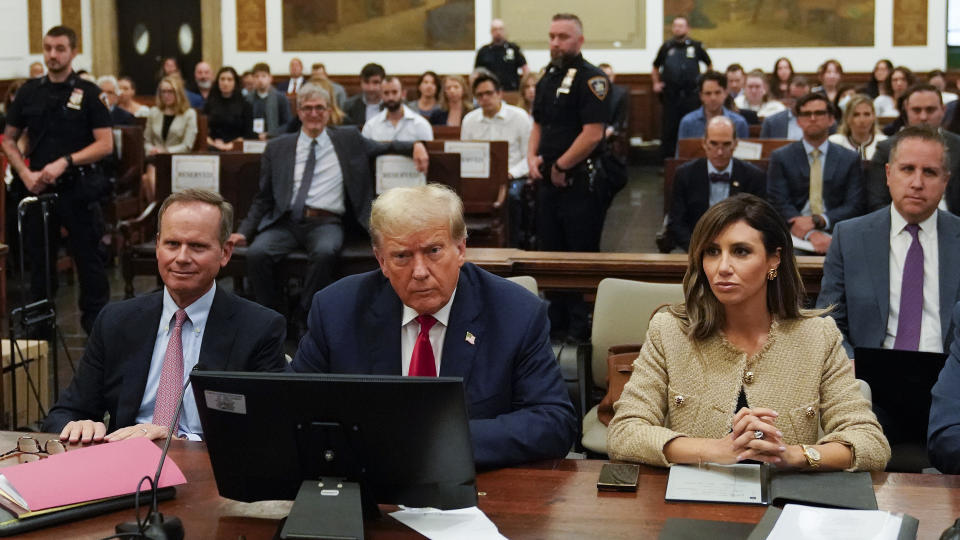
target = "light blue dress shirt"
x: 719, y: 190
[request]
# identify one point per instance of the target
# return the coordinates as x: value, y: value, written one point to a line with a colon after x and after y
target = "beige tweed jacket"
x: 684, y: 387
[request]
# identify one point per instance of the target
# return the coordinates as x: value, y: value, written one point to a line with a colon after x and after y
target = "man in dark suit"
x: 923, y: 105
x: 296, y: 80
x: 427, y: 312
x: 815, y: 183
x: 309, y: 182
x: 368, y: 102
x: 943, y: 431
x: 141, y: 350
x: 109, y: 86
x: 865, y: 273
x: 701, y: 183
x: 783, y: 125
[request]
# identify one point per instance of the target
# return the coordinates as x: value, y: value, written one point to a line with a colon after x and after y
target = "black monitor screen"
x: 406, y: 440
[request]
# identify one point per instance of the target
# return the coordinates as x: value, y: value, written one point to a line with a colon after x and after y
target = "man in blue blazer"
x: 863, y: 270
x: 788, y: 176
x: 428, y: 313
x: 130, y: 345
x: 943, y: 432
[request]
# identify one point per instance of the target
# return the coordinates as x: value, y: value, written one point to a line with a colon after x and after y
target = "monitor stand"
x: 328, y: 509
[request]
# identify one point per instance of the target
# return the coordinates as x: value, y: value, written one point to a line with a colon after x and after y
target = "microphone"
x: 156, y: 526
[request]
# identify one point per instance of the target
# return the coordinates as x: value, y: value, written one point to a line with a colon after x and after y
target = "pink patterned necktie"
x: 422, y: 362
x: 171, y: 377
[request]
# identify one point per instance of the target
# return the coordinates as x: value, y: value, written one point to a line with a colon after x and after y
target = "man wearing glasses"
x: 814, y: 183
x: 308, y: 182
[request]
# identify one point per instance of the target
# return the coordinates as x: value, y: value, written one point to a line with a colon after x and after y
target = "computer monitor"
x: 405, y: 440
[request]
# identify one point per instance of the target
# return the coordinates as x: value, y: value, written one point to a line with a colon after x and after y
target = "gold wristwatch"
x: 812, y: 455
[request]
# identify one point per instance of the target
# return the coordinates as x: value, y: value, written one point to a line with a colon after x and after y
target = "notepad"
x: 740, y: 483
x: 86, y: 474
x: 798, y: 522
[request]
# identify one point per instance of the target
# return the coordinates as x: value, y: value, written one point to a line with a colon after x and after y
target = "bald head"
x: 497, y: 31
x: 720, y: 125
x: 719, y: 142
x: 203, y: 75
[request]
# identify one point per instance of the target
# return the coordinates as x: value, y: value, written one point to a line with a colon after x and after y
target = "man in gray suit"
x: 869, y: 256
x: 309, y: 183
x: 813, y: 182
x: 923, y: 105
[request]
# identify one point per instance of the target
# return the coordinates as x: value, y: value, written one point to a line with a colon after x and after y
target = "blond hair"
x: 182, y: 104
x: 401, y: 211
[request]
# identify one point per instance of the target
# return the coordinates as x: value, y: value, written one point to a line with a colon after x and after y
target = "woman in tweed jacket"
x: 740, y: 371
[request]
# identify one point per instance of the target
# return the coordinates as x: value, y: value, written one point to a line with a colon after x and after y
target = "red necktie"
x: 171, y: 377
x: 422, y: 362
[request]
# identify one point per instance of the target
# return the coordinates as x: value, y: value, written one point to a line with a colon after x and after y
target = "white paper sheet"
x: 253, y: 146
x: 738, y: 483
x: 462, y: 524
x: 397, y: 171
x: 748, y: 150
x: 800, y: 243
x: 798, y: 522
x: 474, y: 157
x: 195, y: 171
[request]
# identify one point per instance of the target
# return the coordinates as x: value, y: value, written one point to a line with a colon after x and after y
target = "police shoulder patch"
x: 599, y: 86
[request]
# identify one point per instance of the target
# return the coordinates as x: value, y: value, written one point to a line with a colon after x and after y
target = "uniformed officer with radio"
x: 68, y: 129
x: 503, y: 58
x: 564, y: 155
x: 679, y: 59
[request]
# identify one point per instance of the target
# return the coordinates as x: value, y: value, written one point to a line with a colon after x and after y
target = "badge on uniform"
x: 691, y: 52
x: 598, y: 85
x: 567, y: 81
x: 509, y: 55
x: 76, y: 98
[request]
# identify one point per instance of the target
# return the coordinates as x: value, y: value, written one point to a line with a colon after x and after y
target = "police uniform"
x: 59, y: 119
x: 570, y: 218
x: 679, y: 62
x: 504, y: 61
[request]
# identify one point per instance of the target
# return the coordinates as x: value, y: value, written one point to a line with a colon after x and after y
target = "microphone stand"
x: 156, y: 526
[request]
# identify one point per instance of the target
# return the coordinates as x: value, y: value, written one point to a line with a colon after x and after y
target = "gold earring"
x: 772, y: 274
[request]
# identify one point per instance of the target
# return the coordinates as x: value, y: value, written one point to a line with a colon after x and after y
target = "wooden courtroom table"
x: 551, y: 499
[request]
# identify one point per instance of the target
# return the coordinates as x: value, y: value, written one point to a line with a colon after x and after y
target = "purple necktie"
x: 911, y: 295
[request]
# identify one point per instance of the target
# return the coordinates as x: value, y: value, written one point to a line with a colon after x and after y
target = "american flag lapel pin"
x: 470, y: 338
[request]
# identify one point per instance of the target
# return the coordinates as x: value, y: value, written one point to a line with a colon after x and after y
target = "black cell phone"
x: 618, y: 477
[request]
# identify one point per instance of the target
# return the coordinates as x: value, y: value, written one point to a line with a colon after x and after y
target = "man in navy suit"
x: 783, y: 125
x: 428, y: 313
x: 701, y: 183
x: 864, y: 268
x: 133, y: 346
x: 310, y: 182
x: 815, y: 183
x: 943, y: 432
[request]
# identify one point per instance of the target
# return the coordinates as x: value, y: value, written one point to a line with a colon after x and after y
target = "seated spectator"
x: 878, y: 84
x: 845, y: 93
x: 455, y: 102
x: 922, y: 106
x: 36, y: 70
x: 943, y: 433
x: 304, y: 196
x: 296, y: 80
x: 171, y: 128
x: 249, y: 83
x: 425, y: 100
x: 415, y: 311
x: 703, y: 182
x: 735, y: 340
x: 127, y: 91
x: 888, y: 105
x: 755, y: 96
x: 120, y: 117
x: 528, y: 91
x: 902, y: 247
x: 139, y: 351
x: 713, y: 91
x: 367, y: 103
x: 318, y: 69
x: 229, y: 115
x: 780, y: 78
x: 396, y: 122
x: 735, y: 79
x: 829, y: 73
x: 271, y: 109
x: 939, y: 79
x: 495, y: 120
x: 859, y: 130
x: 337, y: 116
x: 783, y: 125
x: 199, y: 89
x: 814, y: 183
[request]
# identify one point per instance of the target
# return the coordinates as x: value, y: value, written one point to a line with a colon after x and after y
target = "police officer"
x: 503, y: 58
x: 679, y: 58
x: 564, y: 155
x: 68, y: 127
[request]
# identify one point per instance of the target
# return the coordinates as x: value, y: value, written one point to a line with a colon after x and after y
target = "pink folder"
x: 91, y: 473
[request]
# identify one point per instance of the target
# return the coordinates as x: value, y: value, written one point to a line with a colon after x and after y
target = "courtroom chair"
x: 200, y: 144
x: 621, y: 315
x: 527, y: 282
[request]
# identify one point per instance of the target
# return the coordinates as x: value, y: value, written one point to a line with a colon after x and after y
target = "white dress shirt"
x: 410, y: 329
x: 511, y: 124
x: 886, y: 107
x: 412, y: 127
x: 294, y: 84
x: 900, y: 240
x: 326, y: 188
x: 191, y: 335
